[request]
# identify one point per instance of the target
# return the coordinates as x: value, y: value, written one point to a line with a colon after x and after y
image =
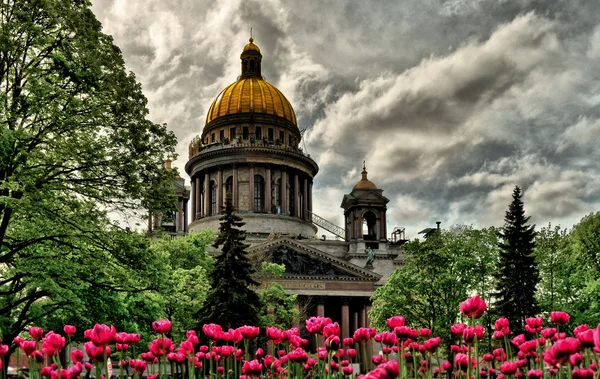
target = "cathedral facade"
x: 249, y: 153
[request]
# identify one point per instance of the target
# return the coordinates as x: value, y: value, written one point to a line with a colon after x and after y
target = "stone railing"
x: 196, y: 147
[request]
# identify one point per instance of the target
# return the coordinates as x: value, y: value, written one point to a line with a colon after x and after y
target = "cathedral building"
x: 249, y: 153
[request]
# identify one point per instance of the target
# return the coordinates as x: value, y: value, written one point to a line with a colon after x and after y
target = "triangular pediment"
x: 303, y: 261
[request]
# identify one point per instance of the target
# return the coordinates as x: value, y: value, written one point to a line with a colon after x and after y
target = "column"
x: 359, y: 226
x: 206, y: 211
x: 185, y: 215
x: 296, y: 195
x: 352, y: 226
x: 197, y: 211
x: 220, y: 189
x: 304, y: 198
x: 251, y: 187
x: 321, y: 313
x: 284, y: 194
x: 383, y: 226
x: 193, y: 199
x: 235, y: 187
x: 345, y: 319
x: 310, y: 184
x: 179, y: 221
x: 268, y: 190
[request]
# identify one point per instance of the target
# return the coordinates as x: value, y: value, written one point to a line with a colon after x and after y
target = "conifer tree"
x: 517, y: 275
x: 231, y: 302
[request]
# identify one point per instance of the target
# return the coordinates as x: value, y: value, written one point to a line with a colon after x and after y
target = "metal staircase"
x: 327, y: 225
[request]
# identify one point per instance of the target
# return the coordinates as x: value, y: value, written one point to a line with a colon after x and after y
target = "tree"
x: 231, y: 301
x: 278, y: 308
x: 75, y: 145
x: 517, y: 275
x: 554, y: 254
x: 185, y: 276
x: 585, y: 276
x: 436, y: 275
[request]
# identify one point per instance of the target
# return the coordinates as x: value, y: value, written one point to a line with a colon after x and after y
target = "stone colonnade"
x: 213, y: 186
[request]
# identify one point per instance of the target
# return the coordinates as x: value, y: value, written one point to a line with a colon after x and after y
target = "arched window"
x: 369, y: 226
x: 251, y: 65
x: 259, y: 193
x: 229, y: 190
x: 277, y: 197
x: 213, y: 197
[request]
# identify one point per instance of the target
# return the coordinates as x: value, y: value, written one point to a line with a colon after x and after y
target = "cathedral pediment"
x: 305, y: 262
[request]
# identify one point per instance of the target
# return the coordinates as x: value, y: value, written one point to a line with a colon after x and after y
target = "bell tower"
x: 365, y: 215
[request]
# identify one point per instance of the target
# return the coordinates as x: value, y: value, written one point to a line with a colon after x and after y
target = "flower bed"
x: 405, y: 352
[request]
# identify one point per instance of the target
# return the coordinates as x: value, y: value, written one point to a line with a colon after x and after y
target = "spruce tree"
x: 517, y: 275
x: 231, y: 302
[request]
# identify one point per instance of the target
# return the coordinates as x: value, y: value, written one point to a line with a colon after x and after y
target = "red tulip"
x: 488, y: 357
x: 52, y: 343
x: 161, y: 346
x: 432, y: 344
x: 28, y: 347
x: 212, y: 331
x: 362, y: 335
x: 348, y: 341
x: 473, y: 307
x: 396, y: 321
x: 351, y: 353
x: 249, y: 332
x: 586, y: 338
x: 103, y: 335
x: 347, y: 370
x: 534, y: 324
x: 597, y: 339
x: 274, y: 334
x: 502, y: 325
x: 162, y: 326
x: 122, y: 347
x: 458, y: 328
x: 559, y: 318
x: 462, y: 361
x: 498, y: 335
x: 576, y: 359
x: 402, y: 332
x: 148, y: 357
x: 560, y: 352
x: 95, y: 353
x: 176, y: 358
x: 535, y: 374
x: 583, y: 373
x: 528, y: 347
x: 36, y: 333
x: 518, y: 340
x: 252, y: 368
x: 139, y: 366
x: 509, y: 368
x: 69, y: 330
x: 332, y: 329
x: 76, y: 356
x: 471, y: 332
x: 62, y: 374
x: 425, y: 333
x: 499, y: 354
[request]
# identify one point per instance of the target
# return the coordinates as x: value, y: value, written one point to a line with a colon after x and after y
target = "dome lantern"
x: 251, y: 61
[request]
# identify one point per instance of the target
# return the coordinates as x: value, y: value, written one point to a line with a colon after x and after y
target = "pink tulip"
x: 473, y: 307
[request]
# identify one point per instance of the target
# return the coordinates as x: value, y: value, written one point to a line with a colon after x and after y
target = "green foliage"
x: 231, y: 301
x: 558, y: 287
x: 517, y: 275
x: 75, y: 145
x: 436, y: 276
x: 278, y: 308
x: 185, y: 275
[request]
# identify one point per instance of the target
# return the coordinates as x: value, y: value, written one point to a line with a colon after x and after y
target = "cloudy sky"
x: 452, y: 103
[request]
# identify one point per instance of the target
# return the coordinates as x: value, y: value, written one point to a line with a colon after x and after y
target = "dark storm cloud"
x: 452, y: 103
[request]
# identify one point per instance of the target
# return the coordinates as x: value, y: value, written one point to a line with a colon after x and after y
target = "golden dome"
x: 365, y: 183
x: 251, y: 95
x: 251, y: 46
